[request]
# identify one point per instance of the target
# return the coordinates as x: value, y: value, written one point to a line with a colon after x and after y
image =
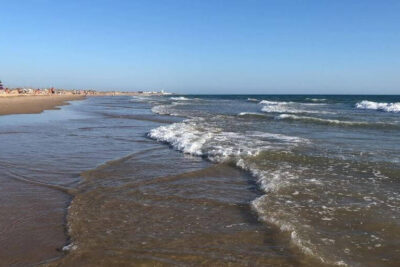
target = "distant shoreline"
x: 31, y: 104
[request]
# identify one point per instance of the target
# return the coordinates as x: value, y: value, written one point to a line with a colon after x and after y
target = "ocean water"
x: 249, y: 180
x: 328, y: 165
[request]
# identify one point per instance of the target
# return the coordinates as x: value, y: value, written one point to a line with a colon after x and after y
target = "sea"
x: 214, y: 180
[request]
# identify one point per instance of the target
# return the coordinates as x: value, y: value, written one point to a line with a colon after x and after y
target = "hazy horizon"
x: 203, y: 47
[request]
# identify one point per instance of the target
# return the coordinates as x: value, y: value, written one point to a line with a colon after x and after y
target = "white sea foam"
x: 267, y: 102
x: 268, y: 180
x: 289, y: 107
x: 289, y: 224
x: 293, y: 187
x: 252, y: 99
x: 161, y: 109
x: 195, y: 137
x: 180, y: 98
x: 69, y: 247
x: 250, y: 113
x: 316, y: 99
x: 284, y: 226
x: 286, y: 138
x: 182, y: 136
x: 166, y: 109
x: 313, y: 104
x: 335, y: 122
x: 284, y: 108
x: 386, y: 107
x: 320, y: 120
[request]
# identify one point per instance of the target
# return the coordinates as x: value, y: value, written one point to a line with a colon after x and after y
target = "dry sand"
x: 33, y: 104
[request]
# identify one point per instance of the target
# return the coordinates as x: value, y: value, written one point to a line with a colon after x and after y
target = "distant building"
x: 1, y: 86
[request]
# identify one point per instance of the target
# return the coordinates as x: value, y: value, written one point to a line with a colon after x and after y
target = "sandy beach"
x: 33, y: 104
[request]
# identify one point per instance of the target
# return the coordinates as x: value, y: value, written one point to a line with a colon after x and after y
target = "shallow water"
x: 328, y: 166
x: 263, y: 180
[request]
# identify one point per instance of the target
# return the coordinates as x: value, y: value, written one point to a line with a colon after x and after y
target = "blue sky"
x: 199, y: 46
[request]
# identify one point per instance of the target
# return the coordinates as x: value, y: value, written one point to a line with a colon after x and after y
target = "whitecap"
x: 179, y: 98
x: 316, y: 99
x: 267, y: 102
x: 196, y: 137
x: 289, y: 107
x: 335, y: 121
x: 250, y: 113
x: 283, y: 108
x: 386, y: 107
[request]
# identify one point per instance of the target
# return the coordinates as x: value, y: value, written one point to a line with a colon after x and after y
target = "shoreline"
x: 40, y: 231
x: 34, y: 104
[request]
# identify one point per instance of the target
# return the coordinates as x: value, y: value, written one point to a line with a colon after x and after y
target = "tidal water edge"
x: 203, y: 180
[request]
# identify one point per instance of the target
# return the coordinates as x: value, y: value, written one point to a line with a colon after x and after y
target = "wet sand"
x: 32, y: 224
x: 33, y: 104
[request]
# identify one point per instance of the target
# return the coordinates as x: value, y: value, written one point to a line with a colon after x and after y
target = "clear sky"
x: 200, y: 46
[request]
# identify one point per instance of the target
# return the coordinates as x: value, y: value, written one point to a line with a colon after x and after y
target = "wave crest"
x: 381, y: 106
x: 336, y: 122
x: 195, y: 137
x: 289, y: 107
x: 179, y: 98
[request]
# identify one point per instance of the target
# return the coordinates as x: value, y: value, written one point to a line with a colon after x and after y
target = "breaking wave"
x: 386, y: 107
x: 335, y: 121
x: 251, y: 114
x: 316, y: 99
x: 289, y: 107
x: 180, y: 98
x: 293, y: 180
x: 195, y: 137
x: 267, y: 102
x: 162, y: 109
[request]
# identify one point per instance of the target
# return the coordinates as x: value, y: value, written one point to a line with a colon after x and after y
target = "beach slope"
x: 33, y: 104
